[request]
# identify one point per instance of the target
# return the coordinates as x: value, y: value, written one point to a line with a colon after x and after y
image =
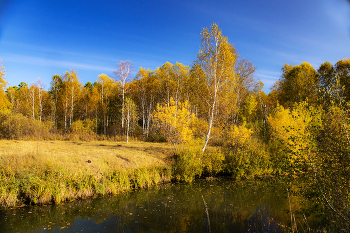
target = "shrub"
x: 213, y: 161
x: 188, y: 164
x: 83, y: 130
x: 248, y: 161
x: 245, y: 155
x: 174, y: 121
x: 17, y: 126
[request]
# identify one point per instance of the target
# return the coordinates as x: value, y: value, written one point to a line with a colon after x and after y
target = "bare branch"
x: 123, y: 71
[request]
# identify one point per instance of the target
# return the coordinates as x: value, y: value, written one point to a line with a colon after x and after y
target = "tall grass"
x: 41, y: 173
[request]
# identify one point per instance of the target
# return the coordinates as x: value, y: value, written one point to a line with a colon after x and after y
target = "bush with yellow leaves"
x: 292, y: 136
x: 245, y: 155
x: 174, y: 121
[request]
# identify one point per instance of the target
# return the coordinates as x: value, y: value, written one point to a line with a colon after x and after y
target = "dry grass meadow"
x: 103, y: 155
x: 41, y: 172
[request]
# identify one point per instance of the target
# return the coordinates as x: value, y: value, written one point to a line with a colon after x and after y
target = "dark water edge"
x: 220, y: 205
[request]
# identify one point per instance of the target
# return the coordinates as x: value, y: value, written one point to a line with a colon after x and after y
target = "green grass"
x: 42, y: 172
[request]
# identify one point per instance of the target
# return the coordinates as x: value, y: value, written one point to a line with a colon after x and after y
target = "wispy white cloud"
x: 47, y: 53
x: 268, y: 77
x: 54, y: 51
x: 32, y: 60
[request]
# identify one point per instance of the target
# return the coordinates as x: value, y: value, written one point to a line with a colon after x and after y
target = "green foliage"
x: 188, y: 164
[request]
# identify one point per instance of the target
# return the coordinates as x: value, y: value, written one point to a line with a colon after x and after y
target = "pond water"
x: 220, y: 205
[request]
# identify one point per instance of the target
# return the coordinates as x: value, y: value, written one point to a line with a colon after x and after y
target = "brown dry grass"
x: 42, y: 172
x: 103, y: 155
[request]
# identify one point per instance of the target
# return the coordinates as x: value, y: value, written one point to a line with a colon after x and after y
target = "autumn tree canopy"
x: 217, y: 59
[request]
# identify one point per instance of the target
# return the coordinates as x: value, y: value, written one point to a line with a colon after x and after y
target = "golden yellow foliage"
x: 175, y: 121
x: 83, y: 127
x: 294, y: 130
x: 239, y: 135
x: 217, y: 59
x: 4, y: 103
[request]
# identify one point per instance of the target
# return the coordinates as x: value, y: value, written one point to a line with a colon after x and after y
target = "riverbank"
x: 44, y: 172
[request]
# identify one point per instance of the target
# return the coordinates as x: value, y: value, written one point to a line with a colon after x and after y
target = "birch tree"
x: 146, y: 91
x: 23, y: 100
x: 244, y: 82
x: 32, y: 98
x: 55, y: 93
x: 131, y: 116
x: 40, y: 86
x: 106, y: 88
x: 123, y: 72
x: 163, y: 74
x: 180, y: 75
x: 71, y: 91
x: 93, y: 104
x: 217, y: 59
x: 171, y: 81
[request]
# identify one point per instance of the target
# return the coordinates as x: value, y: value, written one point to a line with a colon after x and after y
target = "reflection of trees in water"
x: 323, y: 195
x: 247, y: 206
x: 261, y: 221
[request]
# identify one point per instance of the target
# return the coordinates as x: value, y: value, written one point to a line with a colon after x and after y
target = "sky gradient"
x: 40, y: 38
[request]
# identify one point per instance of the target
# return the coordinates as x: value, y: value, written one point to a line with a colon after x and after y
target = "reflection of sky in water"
x: 254, y: 206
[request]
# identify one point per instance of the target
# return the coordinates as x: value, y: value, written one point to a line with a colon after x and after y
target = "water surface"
x: 220, y: 205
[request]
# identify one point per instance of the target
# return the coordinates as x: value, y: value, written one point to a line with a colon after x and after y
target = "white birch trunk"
x: 127, y: 131
x: 210, y: 121
x: 72, y: 108
x: 123, y: 107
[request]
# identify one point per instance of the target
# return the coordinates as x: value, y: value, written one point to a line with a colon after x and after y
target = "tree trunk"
x: 96, y: 121
x: 127, y: 131
x: 123, y: 107
x: 210, y: 120
x: 65, y: 115
x: 72, y: 108
x: 54, y: 115
x: 40, y: 104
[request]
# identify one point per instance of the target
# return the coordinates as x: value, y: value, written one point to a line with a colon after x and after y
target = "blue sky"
x: 40, y: 38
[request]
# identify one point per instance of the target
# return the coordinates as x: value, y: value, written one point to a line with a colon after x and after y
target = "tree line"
x: 99, y: 107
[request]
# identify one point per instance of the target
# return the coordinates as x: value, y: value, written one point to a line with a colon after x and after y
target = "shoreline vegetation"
x: 51, y: 171
x: 47, y: 172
